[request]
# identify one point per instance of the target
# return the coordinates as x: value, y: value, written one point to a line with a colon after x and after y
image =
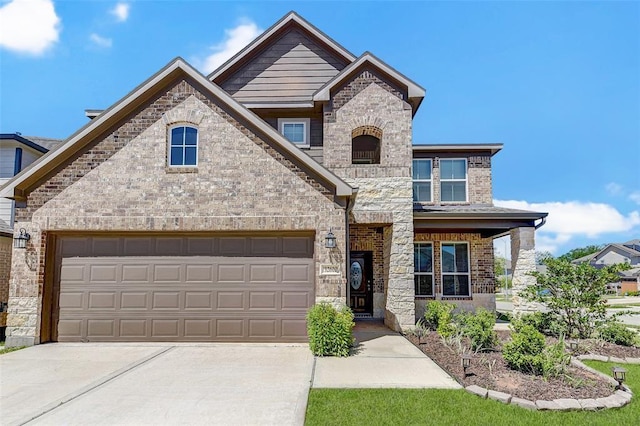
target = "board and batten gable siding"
x: 291, y: 69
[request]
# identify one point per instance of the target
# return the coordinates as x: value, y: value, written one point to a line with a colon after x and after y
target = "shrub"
x: 632, y: 293
x: 330, y: 331
x: 526, y: 352
x: 478, y: 328
x: 438, y: 316
x: 616, y: 332
x: 545, y: 322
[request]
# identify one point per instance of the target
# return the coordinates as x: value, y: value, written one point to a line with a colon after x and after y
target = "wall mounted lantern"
x: 20, y: 241
x: 330, y: 240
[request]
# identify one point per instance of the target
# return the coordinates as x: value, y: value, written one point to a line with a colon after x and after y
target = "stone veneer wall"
x: 523, y: 261
x: 122, y: 183
x: 385, y: 189
x: 370, y: 238
x: 482, y: 270
x: 6, y: 245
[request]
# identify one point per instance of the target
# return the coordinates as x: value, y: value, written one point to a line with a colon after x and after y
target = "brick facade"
x: 481, y: 269
x: 239, y: 185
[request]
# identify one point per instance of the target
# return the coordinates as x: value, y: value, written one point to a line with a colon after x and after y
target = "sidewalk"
x: 382, y: 359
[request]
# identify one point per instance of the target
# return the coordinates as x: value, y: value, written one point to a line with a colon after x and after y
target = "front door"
x: 361, y: 282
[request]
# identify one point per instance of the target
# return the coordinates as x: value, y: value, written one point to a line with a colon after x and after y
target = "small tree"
x: 574, y: 294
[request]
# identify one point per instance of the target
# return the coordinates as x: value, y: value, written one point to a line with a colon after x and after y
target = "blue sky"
x: 557, y: 82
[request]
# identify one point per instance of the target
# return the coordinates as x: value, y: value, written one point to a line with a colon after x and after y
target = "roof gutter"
x: 543, y: 220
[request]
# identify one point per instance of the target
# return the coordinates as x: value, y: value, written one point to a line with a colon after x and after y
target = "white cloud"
x: 234, y: 40
x: 613, y: 188
x: 121, y: 11
x: 571, y: 219
x: 100, y: 41
x: 29, y: 26
x: 635, y: 197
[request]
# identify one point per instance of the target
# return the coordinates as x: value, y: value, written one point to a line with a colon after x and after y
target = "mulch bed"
x: 490, y: 371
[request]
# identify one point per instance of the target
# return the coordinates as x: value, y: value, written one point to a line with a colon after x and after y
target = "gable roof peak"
x: 291, y: 18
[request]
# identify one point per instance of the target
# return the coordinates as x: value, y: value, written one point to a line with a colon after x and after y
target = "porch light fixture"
x: 619, y: 374
x: 466, y: 363
x: 330, y: 240
x: 20, y: 241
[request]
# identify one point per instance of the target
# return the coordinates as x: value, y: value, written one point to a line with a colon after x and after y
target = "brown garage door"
x: 229, y: 288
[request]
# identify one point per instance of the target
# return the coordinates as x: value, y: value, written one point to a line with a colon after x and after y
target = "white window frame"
x: 307, y: 129
x: 430, y: 180
x: 416, y: 273
x: 465, y: 180
x: 443, y: 273
x: 169, y: 145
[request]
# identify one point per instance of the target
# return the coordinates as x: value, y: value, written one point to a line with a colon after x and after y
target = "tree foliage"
x: 574, y: 294
x: 541, y: 256
x: 581, y: 252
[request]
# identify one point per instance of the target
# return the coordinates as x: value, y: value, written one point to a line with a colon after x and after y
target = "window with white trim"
x: 456, y: 280
x: 296, y: 130
x: 423, y: 268
x: 422, y: 180
x: 453, y: 180
x: 183, y: 149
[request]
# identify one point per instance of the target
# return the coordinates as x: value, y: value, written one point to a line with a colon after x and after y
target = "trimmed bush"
x: 478, y: 328
x: 616, y: 332
x: 545, y: 322
x: 330, y: 330
x: 438, y: 316
x: 526, y: 352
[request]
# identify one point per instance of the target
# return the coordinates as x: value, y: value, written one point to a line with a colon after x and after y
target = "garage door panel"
x: 102, y: 300
x: 71, y: 300
x: 297, y: 247
x: 262, y: 300
x: 166, y: 300
x: 228, y: 273
x: 198, y: 300
x: 100, y: 327
x: 134, y: 300
x: 262, y: 328
x: 199, y: 273
x: 193, y: 296
x: 295, y: 300
x: 165, y: 328
x: 136, y: 328
x: 104, y: 246
x: 230, y: 328
x: 230, y: 300
x: 135, y: 273
x: 103, y: 273
x: 263, y: 273
x: 169, y: 246
x: 71, y: 273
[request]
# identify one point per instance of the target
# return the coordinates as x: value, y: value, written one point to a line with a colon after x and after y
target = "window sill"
x: 419, y: 296
x: 179, y: 169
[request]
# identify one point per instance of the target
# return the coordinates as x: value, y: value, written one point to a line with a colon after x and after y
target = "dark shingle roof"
x: 48, y: 143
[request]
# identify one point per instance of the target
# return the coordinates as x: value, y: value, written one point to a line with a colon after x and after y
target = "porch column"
x: 523, y: 261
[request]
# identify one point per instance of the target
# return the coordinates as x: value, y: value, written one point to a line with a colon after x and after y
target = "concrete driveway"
x: 140, y: 384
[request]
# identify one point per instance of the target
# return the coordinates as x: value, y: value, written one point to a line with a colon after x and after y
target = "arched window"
x: 183, y: 150
x: 365, y: 145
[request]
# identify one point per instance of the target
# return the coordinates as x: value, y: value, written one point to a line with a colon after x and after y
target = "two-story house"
x: 221, y: 208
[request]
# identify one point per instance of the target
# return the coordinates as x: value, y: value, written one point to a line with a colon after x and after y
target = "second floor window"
x: 184, y: 146
x: 421, y: 180
x: 296, y: 130
x: 453, y: 180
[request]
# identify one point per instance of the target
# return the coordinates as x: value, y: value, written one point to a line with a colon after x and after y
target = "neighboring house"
x: 16, y: 153
x: 615, y: 253
x: 222, y: 208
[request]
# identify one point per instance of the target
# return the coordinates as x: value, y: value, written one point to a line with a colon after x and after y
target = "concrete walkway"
x: 382, y: 359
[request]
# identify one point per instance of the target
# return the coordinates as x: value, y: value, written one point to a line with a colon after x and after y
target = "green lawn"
x: 453, y: 407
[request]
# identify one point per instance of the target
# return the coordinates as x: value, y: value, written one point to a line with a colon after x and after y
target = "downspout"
x: 350, y: 203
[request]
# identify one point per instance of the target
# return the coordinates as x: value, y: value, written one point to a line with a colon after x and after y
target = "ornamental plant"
x: 330, y: 330
x: 573, y: 295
